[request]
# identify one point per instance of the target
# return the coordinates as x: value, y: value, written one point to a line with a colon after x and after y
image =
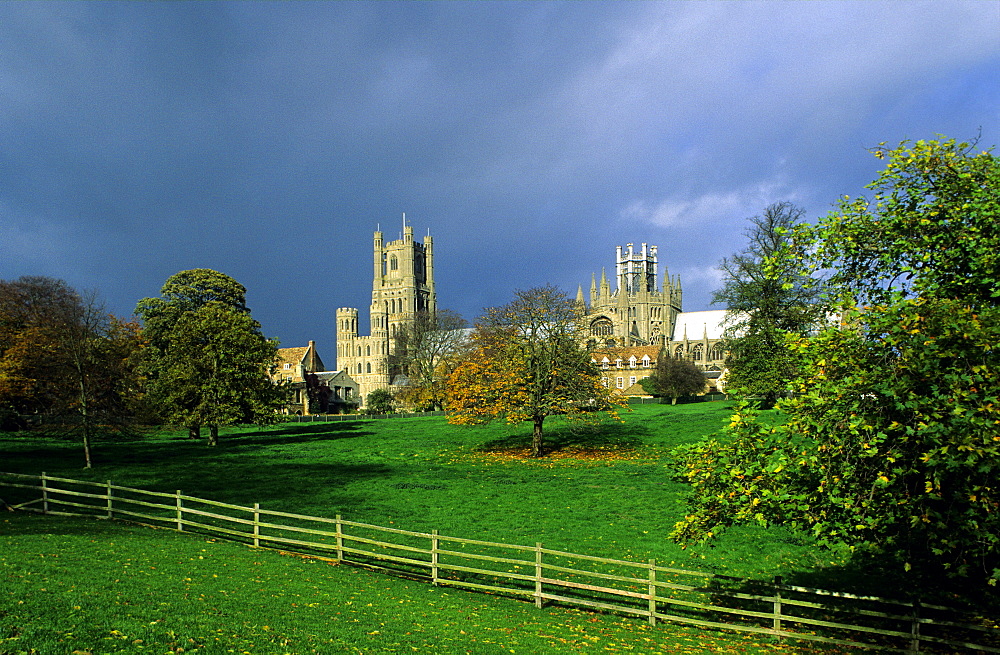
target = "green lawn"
x: 73, y: 585
x: 607, y: 492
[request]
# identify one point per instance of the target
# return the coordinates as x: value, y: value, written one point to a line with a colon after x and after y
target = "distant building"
x: 624, y: 368
x: 637, y: 313
x: 402, y: 285
x: 640, y: 312
x: 311, y: 388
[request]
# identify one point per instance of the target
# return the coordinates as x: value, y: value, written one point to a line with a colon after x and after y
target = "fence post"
x: 256, y: 524
x: 652, y: 592
x: 777, y: 606
x: 538, y: 575
x: 110, y: 513
x: 45, y: 494
x: 180, y: 512
x: 340, y: 541
x: 434, y: 557
x: 915, y: 628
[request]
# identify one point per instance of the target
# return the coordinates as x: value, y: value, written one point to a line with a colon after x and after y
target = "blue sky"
x: 268, y: 140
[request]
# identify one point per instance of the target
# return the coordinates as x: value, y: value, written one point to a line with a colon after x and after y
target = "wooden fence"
x: 544, y: 575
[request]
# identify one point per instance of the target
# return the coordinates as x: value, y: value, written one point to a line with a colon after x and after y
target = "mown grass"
x: 86, y: 586
x: 605, y: 492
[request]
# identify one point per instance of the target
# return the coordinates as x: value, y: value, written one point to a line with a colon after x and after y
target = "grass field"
x: 606, y: 492
x: 73, y: 585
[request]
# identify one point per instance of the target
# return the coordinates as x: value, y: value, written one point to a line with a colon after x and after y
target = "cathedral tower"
x: 637, y: 312
x: 402, y: 285
x: 403, y: 282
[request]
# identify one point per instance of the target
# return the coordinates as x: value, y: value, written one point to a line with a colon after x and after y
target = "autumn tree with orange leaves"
x: 528, y: 364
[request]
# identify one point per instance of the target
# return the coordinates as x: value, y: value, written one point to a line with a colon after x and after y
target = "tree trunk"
x: 194, y: 432
x: 536, y: 437
x: 673, y: 400
x: 85, y: 419
x: 213, y: 435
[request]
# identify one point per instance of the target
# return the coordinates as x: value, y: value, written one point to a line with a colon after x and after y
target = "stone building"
x: 311, y: 388
x: 642, y: 311
x: 623, y: 368
x: 402, y: 285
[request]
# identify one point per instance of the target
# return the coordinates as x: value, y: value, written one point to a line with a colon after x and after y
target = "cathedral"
x: 402, y: 285
x: 638, y: 313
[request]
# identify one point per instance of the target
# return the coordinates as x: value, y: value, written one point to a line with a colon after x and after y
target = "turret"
x: 347, y: 332
x: 378, y: 253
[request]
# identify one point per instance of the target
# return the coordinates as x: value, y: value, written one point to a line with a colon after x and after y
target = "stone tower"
x: 402, y: 285
x: 402, y: 281
x: 637, y: 312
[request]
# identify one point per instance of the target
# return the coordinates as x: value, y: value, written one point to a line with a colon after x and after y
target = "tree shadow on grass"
x: 338, y: 427
x: 612, y: 438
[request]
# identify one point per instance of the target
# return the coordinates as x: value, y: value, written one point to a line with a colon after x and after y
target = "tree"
x: 529, y: 363
x: 379, y: 401
x: 97, y: 353
x: 767, y: 298
x: 891, y: 438
x: 674, y: 378
x: 64, y: 357
x: 208, y: 361
x: 32, y: 309
x: 425, y: 351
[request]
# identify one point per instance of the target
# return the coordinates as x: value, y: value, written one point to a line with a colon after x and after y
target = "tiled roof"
x: 291, y: 355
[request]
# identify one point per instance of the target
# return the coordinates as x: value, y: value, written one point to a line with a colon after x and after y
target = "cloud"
x: 709, y: 277
x: 708, y: 208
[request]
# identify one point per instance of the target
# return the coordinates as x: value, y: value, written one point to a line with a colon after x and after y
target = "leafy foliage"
x: 380, y: 401
x: 892, y: 440
x: 426, y: 351
x: 63, y: 357
x: 767, y: 297
x: 675, y: 377
x: 208, y: 361
x: 529, y: 363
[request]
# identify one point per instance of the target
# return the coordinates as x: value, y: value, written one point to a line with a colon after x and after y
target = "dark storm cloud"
x: 268, y: 140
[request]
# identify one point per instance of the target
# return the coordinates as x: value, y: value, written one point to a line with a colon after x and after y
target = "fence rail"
x: 643, y: 589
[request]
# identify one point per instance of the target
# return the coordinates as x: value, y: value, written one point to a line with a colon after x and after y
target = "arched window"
x: 679, y: 352
x: 393, y: 263
x: 359, y: 368
x: 369, y: 367
x: 697, y: 353
x: 717, y: 352
x: 368, y: 350
x: 602, y: 327
x: 359, y: 354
